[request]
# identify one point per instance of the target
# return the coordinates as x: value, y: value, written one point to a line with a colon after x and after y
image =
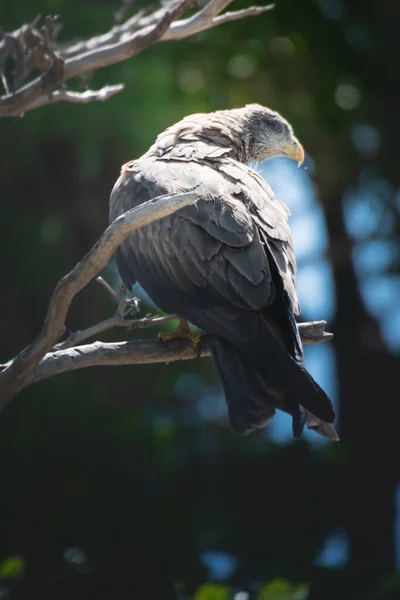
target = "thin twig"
x: 85, y: 97
x: 78, y: 337
x: 12, y: 378
x: 125, y: 308
x: 108, y: 287
x: 210, y: 17
x: 252, y: 11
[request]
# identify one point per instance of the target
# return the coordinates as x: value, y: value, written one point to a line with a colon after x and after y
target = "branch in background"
x: 77, y: 97
x: 129, y: 45
x: 141, y: 352
x: 32, y: 49
x: 210, y: 17
x: 14, y: 375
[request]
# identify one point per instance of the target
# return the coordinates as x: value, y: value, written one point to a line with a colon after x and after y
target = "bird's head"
x: 265, y: 134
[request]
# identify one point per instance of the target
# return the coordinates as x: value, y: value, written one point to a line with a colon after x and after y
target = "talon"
x: 183, y: 332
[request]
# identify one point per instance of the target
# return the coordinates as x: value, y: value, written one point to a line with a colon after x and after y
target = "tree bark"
x: 369, y: 377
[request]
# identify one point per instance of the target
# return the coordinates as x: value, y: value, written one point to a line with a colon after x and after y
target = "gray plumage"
x: 227, y: 264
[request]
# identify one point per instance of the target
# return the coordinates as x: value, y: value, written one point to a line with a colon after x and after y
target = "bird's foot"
x: 182, y: 332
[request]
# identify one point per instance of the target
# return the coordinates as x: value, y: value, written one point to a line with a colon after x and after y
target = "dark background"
x: 126, y: 483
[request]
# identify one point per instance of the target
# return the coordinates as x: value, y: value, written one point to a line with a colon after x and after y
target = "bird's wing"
x: 271, y: 217
x: 213, y: 245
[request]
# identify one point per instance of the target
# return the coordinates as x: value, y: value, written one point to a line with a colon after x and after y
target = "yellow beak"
x: 293, y: 150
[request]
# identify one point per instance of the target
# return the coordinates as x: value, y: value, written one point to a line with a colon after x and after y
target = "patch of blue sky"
x: 316, y: 291
x: 289, y: 184
x: 309, y: 233
x: 381, y: 293
x: 321, y: 362
x: 390, y: 325
x: 211, y: 406
x: 365, y: 214
x: 335, y: 551
x: 375, y: 256
x: 220, y: 565
x: 361, y: 213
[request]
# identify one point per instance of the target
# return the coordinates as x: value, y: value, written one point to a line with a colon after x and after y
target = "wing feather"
x: 214, y: 244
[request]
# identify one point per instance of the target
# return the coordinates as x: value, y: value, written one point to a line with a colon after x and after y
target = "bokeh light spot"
x: 282, y: 46
x: 347, y: 96
x: 332, y: 9
x: 191, y: 79
x: 335, y: 552
x: 365, y: 138
x: 241, y: 66
x: 51, y: 229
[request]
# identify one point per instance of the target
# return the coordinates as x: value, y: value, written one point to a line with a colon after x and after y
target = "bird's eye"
x: 277, y: 127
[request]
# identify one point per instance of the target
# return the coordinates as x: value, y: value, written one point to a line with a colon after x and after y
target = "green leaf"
x: 280, y: 589
x: 11, y: 567
x: 212, y: 591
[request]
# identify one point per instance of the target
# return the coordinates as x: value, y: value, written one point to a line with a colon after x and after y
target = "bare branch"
x: 76, y: 97
x: 130, y: 44
x: 314, y: 332
x: 135, y: 23
x: 252, y: 11
x: 32, y: 49
x: 208, y: 18
x: 13, y: 377
x: 141, y: 352
x: 108, y: 287
x: 78, y: 337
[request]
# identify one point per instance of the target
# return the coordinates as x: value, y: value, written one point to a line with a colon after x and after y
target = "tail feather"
x: 261, y: 371
x: 249, y: 405
x: 324, y: 429
x: 261, y: 376
x: 268, y: 356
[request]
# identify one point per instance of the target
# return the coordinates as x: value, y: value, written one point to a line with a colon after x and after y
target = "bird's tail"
x: 261, y: 376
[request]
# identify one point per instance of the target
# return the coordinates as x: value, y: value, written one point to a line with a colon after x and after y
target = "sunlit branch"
x: 14, y: 375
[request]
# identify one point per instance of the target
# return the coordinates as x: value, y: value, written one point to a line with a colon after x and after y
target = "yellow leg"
x: 182, y: 332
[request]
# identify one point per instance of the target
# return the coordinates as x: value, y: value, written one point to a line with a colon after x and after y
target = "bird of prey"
x: 226, y: 264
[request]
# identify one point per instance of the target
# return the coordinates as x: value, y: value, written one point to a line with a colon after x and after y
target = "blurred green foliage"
x: 12, y: 566
x: 212, y: 591
x: 280, y: 589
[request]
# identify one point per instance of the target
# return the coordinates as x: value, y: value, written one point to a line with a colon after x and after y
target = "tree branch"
x: 15, y: 374
x: 32, y: 49
x: 141, y: 352
x: 208, y: 18
x: 76, y: 97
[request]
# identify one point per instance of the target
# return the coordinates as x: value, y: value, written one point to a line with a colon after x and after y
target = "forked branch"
x: 14, y: 375
x: 31, y: 49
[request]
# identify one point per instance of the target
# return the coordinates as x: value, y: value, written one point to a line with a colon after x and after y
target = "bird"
x: 226, y: 264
